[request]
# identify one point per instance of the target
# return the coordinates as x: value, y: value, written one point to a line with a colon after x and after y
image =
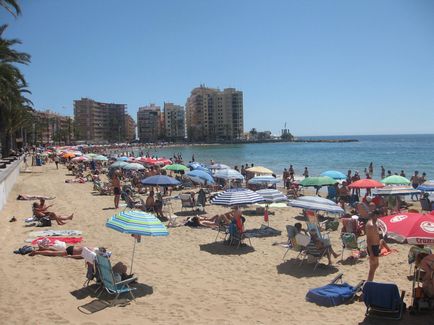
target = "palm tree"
x: 14, y: 105
x: 11, y: 6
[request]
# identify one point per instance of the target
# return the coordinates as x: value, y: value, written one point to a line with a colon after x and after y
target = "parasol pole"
x: 132, y: 257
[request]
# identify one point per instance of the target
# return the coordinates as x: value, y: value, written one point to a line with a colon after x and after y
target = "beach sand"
x: 185, y: 278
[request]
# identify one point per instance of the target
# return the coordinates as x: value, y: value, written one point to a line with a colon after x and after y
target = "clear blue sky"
x: 325, y: 67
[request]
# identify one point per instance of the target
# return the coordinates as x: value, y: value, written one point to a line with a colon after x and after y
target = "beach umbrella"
x: 259, y: 170
x: 79, y: 159
x: 100, y: 158
x: 194, y: 164
x: 122, y: 158
x: 395, y: 180
x: 228, y: 174
x: 176, y: 167
x: 68, y: 155
x: 204, y: 169
x: 160, y: 180
x: 136, y: 223
x: 266, y: 179
x: 272, y: 195
x: 428, y: 186
x: 91, y: 155
x: 133, y: 166
x: 334, y: 174
x: 118, y: 164
x: 199, y: 176
x: 237, y: 196
x: 273, y: 205
x: 396, y: 190
x: 316, y: 199
x: 366, y: 183
x: 219, y: 166
x: 317, y: 181
x: 310, y: 204
x: 415, y: 228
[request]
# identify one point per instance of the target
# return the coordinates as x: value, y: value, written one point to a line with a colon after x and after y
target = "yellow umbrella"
x: 259, y: 170
x: 69, y: 155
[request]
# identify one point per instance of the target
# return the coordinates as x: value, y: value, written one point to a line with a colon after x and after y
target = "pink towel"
x: 67, y: 240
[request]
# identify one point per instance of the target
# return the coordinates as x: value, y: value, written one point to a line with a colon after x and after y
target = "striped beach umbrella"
x: 137, y: 223
x: 266, y: 179
x: 237, y: 196
x: 396, y: 190
x: 428, y: 186
x: 228, y: 174
x: 316, y: 206
x: 272, y: 195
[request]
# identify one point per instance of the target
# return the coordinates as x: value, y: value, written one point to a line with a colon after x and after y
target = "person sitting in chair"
x: 317, y: 243
x: 150, y: 202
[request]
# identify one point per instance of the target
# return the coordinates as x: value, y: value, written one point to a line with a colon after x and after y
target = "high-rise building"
x: 99, y: 122
x: 150, y: 125
x: 214, y: 115
x: 130, y: 128
x: 174, y: 122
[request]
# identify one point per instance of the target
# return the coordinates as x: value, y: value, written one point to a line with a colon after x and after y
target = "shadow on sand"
x: 292, y: 267
x: 103, y: 301
x: 220, y: 248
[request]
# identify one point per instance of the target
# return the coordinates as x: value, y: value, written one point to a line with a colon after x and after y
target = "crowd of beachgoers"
x: 360, y: 207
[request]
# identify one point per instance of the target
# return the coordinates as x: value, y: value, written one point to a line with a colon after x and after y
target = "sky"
x: 322, y: 67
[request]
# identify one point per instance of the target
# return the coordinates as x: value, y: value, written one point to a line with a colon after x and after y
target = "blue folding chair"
x: 334, y: 293
x: 383, y: 300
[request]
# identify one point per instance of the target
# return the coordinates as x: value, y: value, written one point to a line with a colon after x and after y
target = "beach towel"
x: 264, y: 231
x: 55, y: 232
x: 51, y: 240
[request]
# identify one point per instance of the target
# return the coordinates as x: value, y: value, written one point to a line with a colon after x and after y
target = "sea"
x: 394, y: 152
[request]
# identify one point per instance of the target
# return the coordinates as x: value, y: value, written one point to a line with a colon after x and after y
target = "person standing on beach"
x: 415, y: 181
x: 383, y: 172
x: 56, y: 161
x: 373, y: 243
x: 291, y: 173
x: 116, y: 183
x: 306, y: 173
x: 371, y: 169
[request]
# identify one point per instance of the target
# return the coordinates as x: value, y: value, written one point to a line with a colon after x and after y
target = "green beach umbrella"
x: 317, y: 181
x: 176, y: 167
x: 100, y: 158
x: 395, y: 180
x: 118, y: 164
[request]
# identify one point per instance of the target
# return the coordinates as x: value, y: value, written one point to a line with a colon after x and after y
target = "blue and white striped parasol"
x: 428, y: 186
x: 237, y: 196
x: 316, y: 206
x: 228, y: 174
x: 272, y: 195
x: 265, y: 179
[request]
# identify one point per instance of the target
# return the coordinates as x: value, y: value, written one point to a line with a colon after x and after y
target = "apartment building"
x: 214, y: 115
x: 130, y: 128
x: 150, y: 123
x: 174, y: 122
x: 50, y: 127
x: 98, y: 122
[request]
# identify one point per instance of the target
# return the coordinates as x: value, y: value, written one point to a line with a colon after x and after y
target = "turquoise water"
x: 394, y: 152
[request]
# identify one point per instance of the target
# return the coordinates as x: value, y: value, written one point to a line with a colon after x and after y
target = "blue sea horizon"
x: 408, y: 152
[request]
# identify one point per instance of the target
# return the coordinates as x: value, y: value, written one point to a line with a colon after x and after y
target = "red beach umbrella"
x: 366, y: 183
x: 415, y: 228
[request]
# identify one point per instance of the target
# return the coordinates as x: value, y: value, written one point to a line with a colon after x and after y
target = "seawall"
x: 8, y: 177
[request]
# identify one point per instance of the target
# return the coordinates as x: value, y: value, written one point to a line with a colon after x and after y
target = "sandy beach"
x: 185, y: 278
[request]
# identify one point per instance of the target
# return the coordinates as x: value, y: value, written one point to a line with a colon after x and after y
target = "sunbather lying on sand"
x: 211, y: 222
x: 76, y: 180
x: 28, y: 197
x: 40, y: 211
x: 66, y: 251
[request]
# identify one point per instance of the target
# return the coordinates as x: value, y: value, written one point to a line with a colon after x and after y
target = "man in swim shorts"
x: 373, y: 243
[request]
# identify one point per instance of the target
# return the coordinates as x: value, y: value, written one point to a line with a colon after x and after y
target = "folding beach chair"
x: 352, y: 243
x: 383, y: 300
x: 186, y: 201
x: 109, y: 282
x: 294, y: 244
x: 312, y: 251
x: 236, y: 236
x: 334, y: 293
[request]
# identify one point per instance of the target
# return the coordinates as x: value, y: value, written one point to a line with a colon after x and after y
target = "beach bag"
x: 44, y: 222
